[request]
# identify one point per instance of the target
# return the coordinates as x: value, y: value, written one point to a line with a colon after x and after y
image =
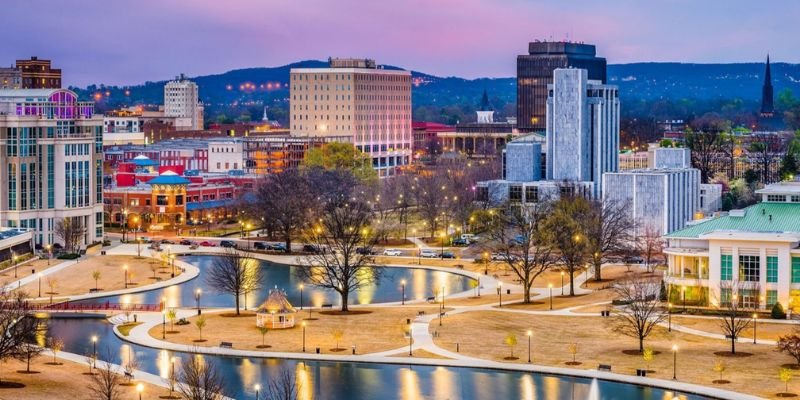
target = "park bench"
x: 226, y: 345
x: 329, y: 305
x: 604, y: 367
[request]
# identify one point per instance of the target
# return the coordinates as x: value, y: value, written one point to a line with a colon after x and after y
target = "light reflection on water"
x: 353, y: 381
x: 420, y: 284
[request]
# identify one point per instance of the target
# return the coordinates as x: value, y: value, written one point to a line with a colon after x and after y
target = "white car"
x: 428, y: 253
x: 392, y: 252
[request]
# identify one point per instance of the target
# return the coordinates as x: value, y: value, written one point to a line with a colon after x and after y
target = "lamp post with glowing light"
x: 94, y: 346
x: 40, y: 285
x: 172, y: 261
x: 172, y: 374
x: 49, y: 248
x: 674, y: 361
x: 403, y: 288
x: 755, y: 327
x: 197, y: 293
x: 164, y: 318
x: 500, y: 293
x: 139, y: 390
x: 530, y: 333
x: 550, y: 287
x: 257, y: 388
x: 125, y: 271
x: 562, y: 283
x: 683, y: 294
x: 669, y: 316
x: 441, y: 237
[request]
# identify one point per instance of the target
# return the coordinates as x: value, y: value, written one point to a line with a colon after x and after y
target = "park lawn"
x: 66, y: 381
x: 561, y: 302
x: 77, y: 279
x: 766, y: 330
x: 481, y: 334
x: 379, y: 330
x: 26, y: 269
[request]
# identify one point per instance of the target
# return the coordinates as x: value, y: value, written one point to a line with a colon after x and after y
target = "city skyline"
x: 476, y: 38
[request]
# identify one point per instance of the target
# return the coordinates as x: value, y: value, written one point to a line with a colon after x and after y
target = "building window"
x: 749, y: 267
x: 725, y: 296
x: 179, y: 200
x: 772, y: 297
x: 515, y: 193
x: 795, y: 269
x: 776, y: 197
x: 772, y: 269
x: 795, y: 199
x: 531, y: 194
x: 726, y: 267
x: 134, y: 202
x: 567, y: 191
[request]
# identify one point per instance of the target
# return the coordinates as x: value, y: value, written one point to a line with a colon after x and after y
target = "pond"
x: 353, y: 381
x: 420, y: 284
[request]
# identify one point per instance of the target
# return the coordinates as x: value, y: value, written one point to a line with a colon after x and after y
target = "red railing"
x: 69, y: 306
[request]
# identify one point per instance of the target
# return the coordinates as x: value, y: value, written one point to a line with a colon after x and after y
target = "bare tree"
x: 430, y: 191
x: 29, y: 352
x: 17, y: 327
x: 704, y: 140
x: 69, y: 230
x: 130, y: 366
x: 283, y: 387
x: 569, y: 240
x: 339, y: 265
x: 105, y: 382
x: 641, y: 311
x: 200, y: 380
x: 790, y: 344
x: 517, y: 234
x: 284, y: 200
x: 733, y: 320
x: 607, y: 226
x: 650, y: 246
x: 55, y: 344
x: 234, y: 273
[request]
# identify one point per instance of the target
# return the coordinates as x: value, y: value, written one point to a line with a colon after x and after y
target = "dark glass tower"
x: 535, y: 72
x: 767, y: 109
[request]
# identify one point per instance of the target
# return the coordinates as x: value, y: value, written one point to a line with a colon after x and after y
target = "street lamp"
x: 164, y: 318
x: 562, y: 283
x: 257, y: 387
x: 14, y: 259
x: 304, y: 336
x: 40, y: 285
x: 674, y: 361
x: 500, y: 292
x: 550, y: 286
x: 172, y: 373
x: 486, y: 263
x: 197, y: 293
x: 403, y: 286
x: 441, y: 237
x: 301, y: 296
x: 140, y: 389
x: 94, y: 346
x: 124, y: 224
x: 125, y: 268
x: 172, y: 261
x: 669, y: 316
x: 755, y: 327
x: 683, y: 294
x: 49, y: 253
x: 530, y: 333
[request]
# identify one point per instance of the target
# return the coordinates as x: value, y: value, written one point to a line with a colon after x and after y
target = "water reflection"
x: 420, y: 284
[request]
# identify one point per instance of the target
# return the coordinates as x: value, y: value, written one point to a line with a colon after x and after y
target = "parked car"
x: 366, y: 251
x: 460, y: 242
x: 428, y: 253
x: 185, y: 242
x: 448, y: 254
x: 260, y: 246
x: 206, y: 243
x: 634, y: 260
x: 503, y: 257
x: 227, y: 243
x: 469, y: 237
x: 392, y: 252
x: 167, y: 241
x: 310, y: 248
x: 277, y: 247
x: 154, y: 246
x: 193, y: 246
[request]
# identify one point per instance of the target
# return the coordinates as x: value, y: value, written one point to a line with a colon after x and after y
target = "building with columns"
x: 51, y: 164
x: 751, y: 256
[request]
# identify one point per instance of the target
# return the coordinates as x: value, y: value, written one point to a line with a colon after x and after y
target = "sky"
x: 128, y: 42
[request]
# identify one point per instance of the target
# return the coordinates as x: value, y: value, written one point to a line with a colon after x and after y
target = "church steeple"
x: 767, y: 108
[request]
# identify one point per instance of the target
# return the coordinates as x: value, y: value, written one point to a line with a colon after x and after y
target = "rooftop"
x: 788, y: 187
x: 759, y: 218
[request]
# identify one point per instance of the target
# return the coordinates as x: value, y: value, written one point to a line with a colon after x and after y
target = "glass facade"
x: 749, y: 268
x: 772, y: 269
x: 726, y: 267
x: 795, y: 269
x: 772, y: 297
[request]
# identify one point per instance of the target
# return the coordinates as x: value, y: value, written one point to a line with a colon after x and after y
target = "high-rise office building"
x: 356, y: 100
x: 535, y: 72
x: 39, y: 74
x: 51, y: 164
x: 582, y: 128
x: 182, y: 102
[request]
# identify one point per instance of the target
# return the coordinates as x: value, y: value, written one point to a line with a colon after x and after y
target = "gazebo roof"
x: 276, y: 303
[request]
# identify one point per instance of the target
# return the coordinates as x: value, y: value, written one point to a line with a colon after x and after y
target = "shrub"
x: 68, y: 256
x: 778, y: 312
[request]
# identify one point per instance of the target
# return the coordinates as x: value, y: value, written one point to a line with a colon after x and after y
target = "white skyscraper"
x: 182, y: 102
x: 582, y: 129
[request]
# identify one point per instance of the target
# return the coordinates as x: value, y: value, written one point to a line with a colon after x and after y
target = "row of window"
x: 750, y: 271
x: 77, y: 149
x: 781, y: 198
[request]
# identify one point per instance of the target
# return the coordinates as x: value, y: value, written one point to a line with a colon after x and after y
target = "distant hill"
x: 638, y: 81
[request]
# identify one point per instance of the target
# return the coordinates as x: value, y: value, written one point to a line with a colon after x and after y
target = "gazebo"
x: 276, y: 312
